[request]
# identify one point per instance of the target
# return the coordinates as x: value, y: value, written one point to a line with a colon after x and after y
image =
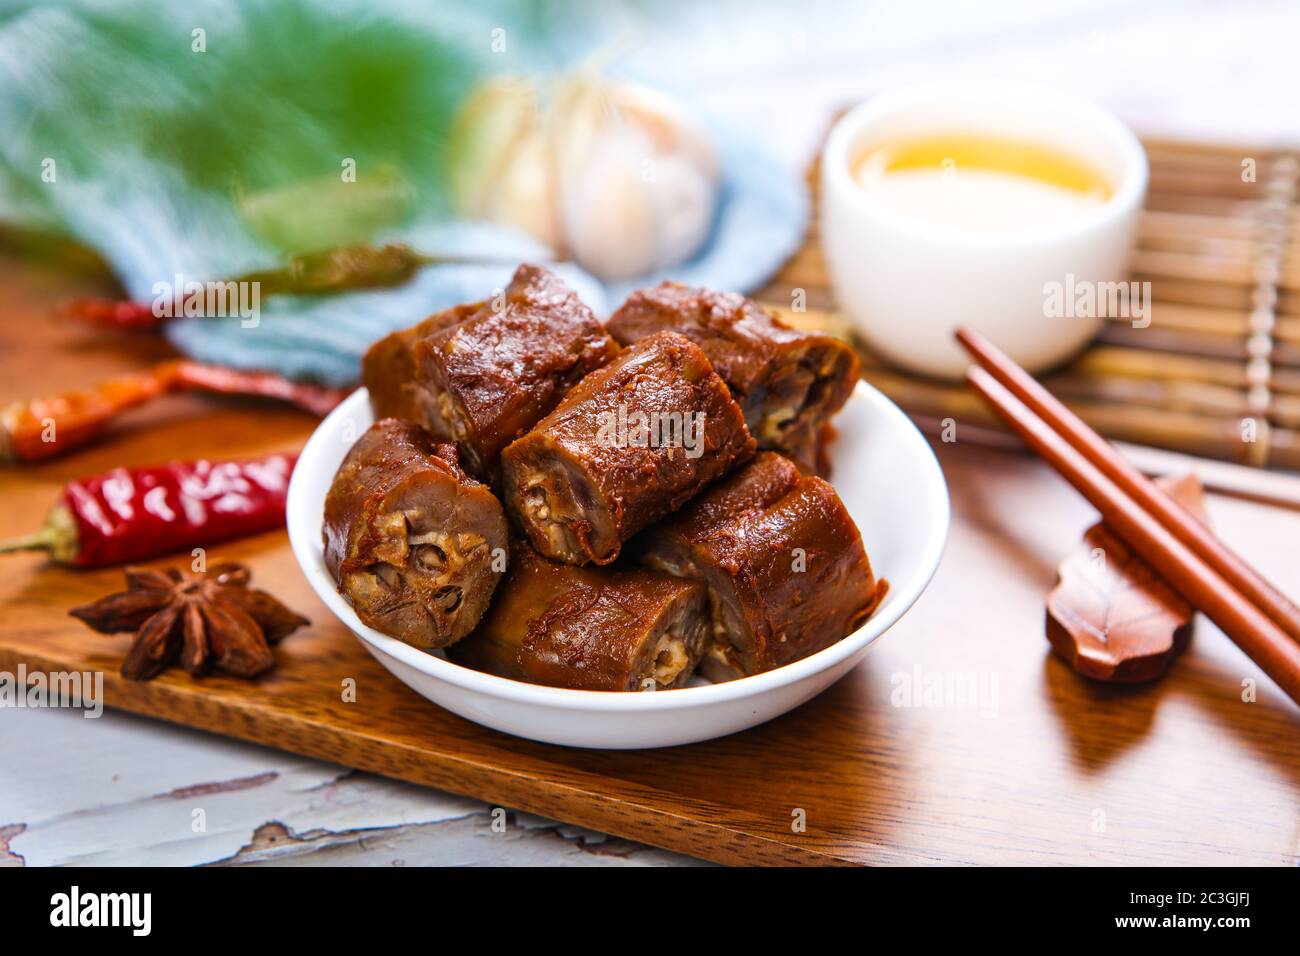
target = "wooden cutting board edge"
x: 192, y: 705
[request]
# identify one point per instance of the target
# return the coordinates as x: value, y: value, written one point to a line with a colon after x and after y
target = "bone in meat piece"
x: 784, y: 563
x: 485, y: 380
x: 389, y: 371
x: 589, y: 628
x: 410, y: 539
x: 788, y: 382
x: 632, y: 442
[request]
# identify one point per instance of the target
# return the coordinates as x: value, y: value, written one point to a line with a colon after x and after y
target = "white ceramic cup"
x: 906, y: 284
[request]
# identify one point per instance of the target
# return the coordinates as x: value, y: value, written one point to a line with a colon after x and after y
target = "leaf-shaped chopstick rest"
x: 1111, y: 616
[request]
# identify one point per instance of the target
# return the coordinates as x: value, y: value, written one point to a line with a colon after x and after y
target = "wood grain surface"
x: 961, y: 739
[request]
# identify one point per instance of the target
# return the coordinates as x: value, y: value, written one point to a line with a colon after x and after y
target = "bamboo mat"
x: 1217, y: 372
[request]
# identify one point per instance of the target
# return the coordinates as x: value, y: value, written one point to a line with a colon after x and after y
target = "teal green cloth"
x: 210, y: 154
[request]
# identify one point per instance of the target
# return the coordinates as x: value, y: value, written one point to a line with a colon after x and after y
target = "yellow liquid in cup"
x: 980, y: 183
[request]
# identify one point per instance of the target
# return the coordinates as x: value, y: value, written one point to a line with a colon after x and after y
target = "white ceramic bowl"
x: 906, y: 284
x: 889, y: 480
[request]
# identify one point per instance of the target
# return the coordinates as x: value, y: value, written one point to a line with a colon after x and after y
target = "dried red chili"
x: 47, y: 427
x: 220, y: 380
x: 121, y: 314
x: 135, y: 514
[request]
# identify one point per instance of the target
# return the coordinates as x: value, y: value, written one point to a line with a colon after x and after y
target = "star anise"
x: 209, y: 620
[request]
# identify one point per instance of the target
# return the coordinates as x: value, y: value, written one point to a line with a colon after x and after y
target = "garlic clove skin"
x: 618, y: 177
x: 684, y: 176
x: 671, y: 125
x: 499, y: 165
x: 524, y: 194
x: 610, y: 221
x: 685, y: 198
x: 637, y: 178
x: 483, y: 138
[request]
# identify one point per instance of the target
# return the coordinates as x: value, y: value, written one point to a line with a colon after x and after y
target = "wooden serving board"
x: 891, y: 765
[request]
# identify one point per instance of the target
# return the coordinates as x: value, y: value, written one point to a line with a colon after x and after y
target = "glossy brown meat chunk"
x: 389, y: 371
x: 632, y: 442
x: 415, y: 545
x: 485, y: 380
x: 788, y: 382
x: 589, y: 628
x: 783, y: 561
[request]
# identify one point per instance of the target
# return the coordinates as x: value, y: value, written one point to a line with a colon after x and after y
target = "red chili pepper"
x: 135, y: 514
x: 47, y: 427
x: 121, y: 314
x: 218, y: 379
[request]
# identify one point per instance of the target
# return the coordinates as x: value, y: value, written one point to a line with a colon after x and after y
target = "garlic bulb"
x: 615, y: 176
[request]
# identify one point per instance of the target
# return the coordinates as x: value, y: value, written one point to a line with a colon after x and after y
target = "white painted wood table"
x: 125, y: 790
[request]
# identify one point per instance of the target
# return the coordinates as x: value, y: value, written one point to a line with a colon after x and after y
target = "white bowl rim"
x: 304, y: 537
x: 842, y: 138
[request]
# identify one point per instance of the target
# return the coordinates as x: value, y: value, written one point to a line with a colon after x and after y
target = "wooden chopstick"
x: 1100, y: 453
x: 1274, y: 488
x: 1198, y: 583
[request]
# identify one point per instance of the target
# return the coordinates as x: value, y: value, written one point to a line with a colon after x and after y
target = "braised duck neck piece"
x: 788, y: 382
x: 630, y: 443
x: 482, y: 375
x: 389, y: 371
x: 783, y: 561
x: 589, y: 628
x: 416, y: 545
